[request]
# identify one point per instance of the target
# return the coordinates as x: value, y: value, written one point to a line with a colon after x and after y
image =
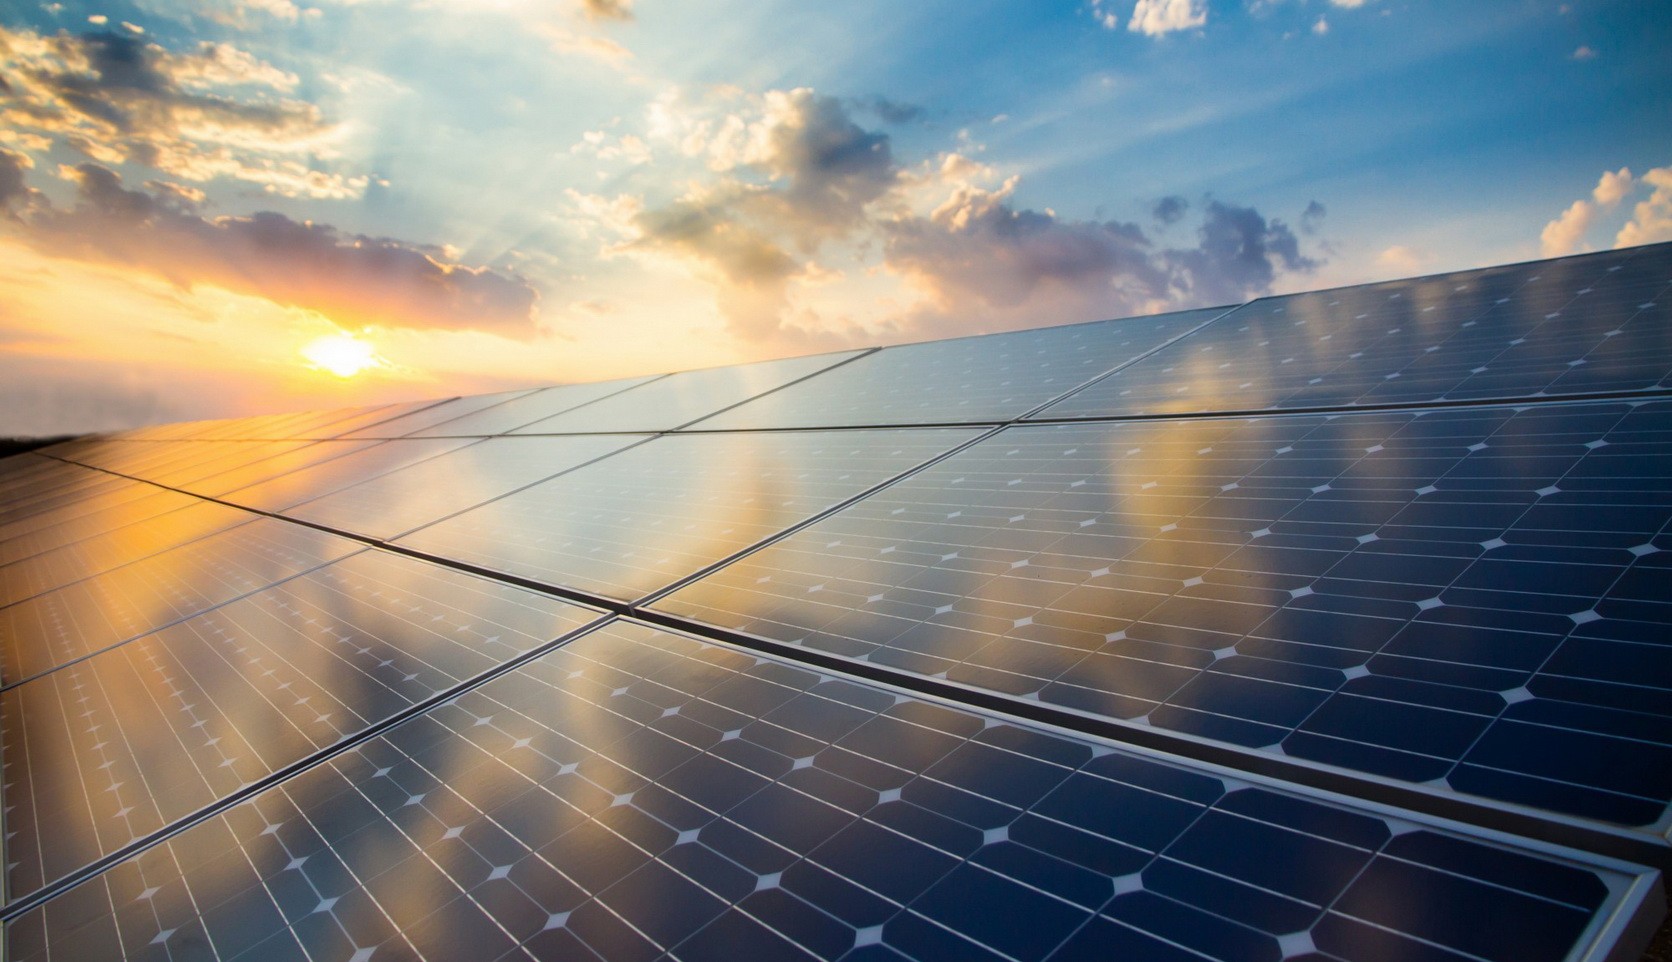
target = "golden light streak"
x: 342, y: 354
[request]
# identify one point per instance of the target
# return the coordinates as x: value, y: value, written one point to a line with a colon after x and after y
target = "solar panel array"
x: 1335, y: 626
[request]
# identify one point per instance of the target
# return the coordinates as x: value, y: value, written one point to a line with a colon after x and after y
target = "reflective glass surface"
x: 100, y: 501
x: 66, y: 492
x: 430, y: 490
x: 1573, y: 326
x: 94, y: 517
x: 91, y: 556
x: 338, y: 473
x: 1475, y: 599
x: 990, y: 378
x: 526, y: 409
x: 668, y: 402
x: 49, y: 630
x: 277, y: 465
x: 637, y: 795
x: 120, y: 745
x: 175, y: 463
x: 641, y: 519
x: 427, y: 417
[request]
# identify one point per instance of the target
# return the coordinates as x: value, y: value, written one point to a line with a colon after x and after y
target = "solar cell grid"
x: 60, y: 626
x: 244, y: 472
x: 638, y: 793
x: 1575, y: 326
x: 642, y: 518
x: 669, y: 402
x: 338, y: 473
x: 990, y: 378
x: 1472, y: 599
x: 85, y: 558
x: 447, y: 410
x: 115, y: 747
x: 526, y: 409
x: 92, y: 523
x: 77, y: 493
x: 428, y: 491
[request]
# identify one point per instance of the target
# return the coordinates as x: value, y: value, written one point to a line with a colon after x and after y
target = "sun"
x: 341, y: 354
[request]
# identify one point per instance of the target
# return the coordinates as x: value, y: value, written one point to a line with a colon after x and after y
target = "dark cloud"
x: 13, y: 185
x: 608, y: 9
x: 988, y: 265
x: 1311, y: 218
x: 352, y: 278
x: 890, y: 111
x: 1238, y: 257
x: 1170, y: 210
x: 831, y: 167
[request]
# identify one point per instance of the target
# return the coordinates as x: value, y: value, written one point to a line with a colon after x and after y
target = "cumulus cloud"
x: 1157, y: 17
x: 1567, y: 232
x: 608, y: 9
x: 1312, y: 217
x: 212, y: 111
x: 1170, y: 210
x: 352, y: 278
x: 1651, y: 219
x: 792, y: 176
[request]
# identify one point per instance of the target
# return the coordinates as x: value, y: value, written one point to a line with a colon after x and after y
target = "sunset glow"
x: 341, y: 354
x: 434, y: 199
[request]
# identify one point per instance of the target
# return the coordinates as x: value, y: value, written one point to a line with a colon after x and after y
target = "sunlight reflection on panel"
x: 122, y: 744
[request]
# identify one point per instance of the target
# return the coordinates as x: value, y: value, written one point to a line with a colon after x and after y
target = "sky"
x: 212, y: 208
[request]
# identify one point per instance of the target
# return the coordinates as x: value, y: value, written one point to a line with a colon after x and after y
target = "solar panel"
x: 527, y: 409
x: 358, y: 465
x: 430, y: 490
x: 1551, y: 328
x: 669, y: 402
x: 637, y: 792
x: 58, y: 627
x: 638, y: 520
x: 90, y: 556
x: 988, y: 378
x: 1419, y: 595
x: 120, y: 745
x: 1167, y: 638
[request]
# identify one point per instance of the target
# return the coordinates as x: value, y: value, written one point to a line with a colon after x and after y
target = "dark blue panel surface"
x: 990, y: 378
x: 60, y: 626
x: 637, y: 794
x: 122, y: 744
x: 1552, y: 328
x: 638, y: 520
x: 1474, y: 599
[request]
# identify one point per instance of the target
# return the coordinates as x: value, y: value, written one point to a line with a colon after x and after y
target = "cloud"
x: 354, y: 279
x: 608, y: 9
x: 890, y: 111
x: 1312, y: 217
x: 1157, y: 17
x: 1567, y: 232
x: 1583, y: 53
x: 213, y: 111
x: 13, y: 186
x: 1651, y: 219
x: 1321, y: 27
x: 1348, y: 4
x: 982, y: 260
x: 1170, y: 210
x: 1612, y: 187
x: 1562, y: 235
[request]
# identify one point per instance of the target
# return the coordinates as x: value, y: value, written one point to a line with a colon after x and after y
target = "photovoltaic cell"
x: 1575, y: 326
x: 642, y: 518
x: 115, y: 747
x: 254, y: 472
x: 639, y: 794
x: 668, y: 402
x: 338, y: 473
x: 428, y: 491
x: 60, y: 626
x: 83, y: 497
x: 526, y: 409
x: 1473, y: 599
x: 427, y: 417
x: 91, y: 523
x: 91, y: 556
x: 988, y: 378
